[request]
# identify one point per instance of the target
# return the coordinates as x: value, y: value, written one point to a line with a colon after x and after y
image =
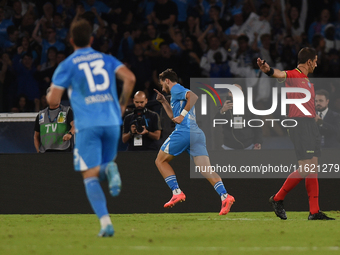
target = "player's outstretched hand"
x: 160, y: 97
x: 264, y: 67
x: 178, y: 119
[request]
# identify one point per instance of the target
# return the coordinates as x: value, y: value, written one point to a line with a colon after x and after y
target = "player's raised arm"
x: 129, y: 80
x: 161, y: 98
x: 276, y: 73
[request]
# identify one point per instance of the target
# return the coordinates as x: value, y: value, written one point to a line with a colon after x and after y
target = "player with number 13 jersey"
x: 100, y: 96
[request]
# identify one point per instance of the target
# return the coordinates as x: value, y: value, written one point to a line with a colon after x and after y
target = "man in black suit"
x: 327, y: 120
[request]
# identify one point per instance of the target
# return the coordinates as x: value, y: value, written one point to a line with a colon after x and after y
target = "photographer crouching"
x: 238, y: 136
x: 142, y: 127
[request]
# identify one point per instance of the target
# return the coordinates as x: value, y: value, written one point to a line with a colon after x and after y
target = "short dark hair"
x: 316, y: 40
x: 168, y: 74
x: 217, y: 8
x: 162, y: 44
x: 81, y: 32
x: 27, y: 54
x: 306, y: 54
x: 243, y: 38
x: 52, y: 49
x: 322, y: 92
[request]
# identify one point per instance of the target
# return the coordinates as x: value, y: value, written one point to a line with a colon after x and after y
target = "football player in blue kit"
x: 187, y: 136
x: 90, y: 78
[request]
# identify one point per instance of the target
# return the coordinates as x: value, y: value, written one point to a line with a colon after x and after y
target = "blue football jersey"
x: 90, y: 78
x: 178, y: 102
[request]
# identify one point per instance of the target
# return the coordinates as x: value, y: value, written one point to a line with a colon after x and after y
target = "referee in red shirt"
x: 305, y: 136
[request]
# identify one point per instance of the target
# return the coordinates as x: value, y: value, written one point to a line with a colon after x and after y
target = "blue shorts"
x: 95, y: 146
x: 191, y: 141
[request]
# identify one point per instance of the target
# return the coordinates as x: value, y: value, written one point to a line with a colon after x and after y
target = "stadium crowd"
x: 196, y: 38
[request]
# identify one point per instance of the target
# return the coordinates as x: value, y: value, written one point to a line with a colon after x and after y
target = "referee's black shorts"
x: 306, y: 138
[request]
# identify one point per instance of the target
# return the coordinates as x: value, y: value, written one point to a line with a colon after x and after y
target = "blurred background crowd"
x: 196, y: 38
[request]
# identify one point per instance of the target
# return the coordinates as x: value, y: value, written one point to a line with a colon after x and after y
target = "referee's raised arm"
x: 276, y: 73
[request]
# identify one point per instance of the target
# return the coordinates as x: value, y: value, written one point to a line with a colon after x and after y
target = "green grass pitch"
x: 190, y: 233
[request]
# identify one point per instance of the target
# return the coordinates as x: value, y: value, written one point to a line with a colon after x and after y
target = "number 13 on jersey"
x: 97, y: 66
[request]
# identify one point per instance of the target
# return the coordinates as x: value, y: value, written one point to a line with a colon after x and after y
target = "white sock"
x: 105, y: 220
x: 224, y: 196
x: 176, y: 191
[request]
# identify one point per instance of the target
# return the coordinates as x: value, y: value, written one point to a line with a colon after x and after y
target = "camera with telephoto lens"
x: 138, y: 119
x: 139, y: 122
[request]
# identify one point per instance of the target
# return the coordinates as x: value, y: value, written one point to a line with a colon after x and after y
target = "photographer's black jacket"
x: 153, y: 123
x: 240, y: 138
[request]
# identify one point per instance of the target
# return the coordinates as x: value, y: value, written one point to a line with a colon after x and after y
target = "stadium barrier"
x: 47, y: 184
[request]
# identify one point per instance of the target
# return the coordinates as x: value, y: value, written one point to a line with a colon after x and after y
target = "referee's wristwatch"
x: 70, y: 133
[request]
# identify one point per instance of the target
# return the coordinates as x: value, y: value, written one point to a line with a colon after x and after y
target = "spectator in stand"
x: 333, y: 64
x: 330, y: 42
x: 17, y: 16
x: 288, y: 53
x: 318, y: 27
x: 127, y: 43
x: 219, y: 24
x: 294, y: 19
x: 47, y: 43
x: 182, y: 7
x: 208, y: 58
x: 164, y: 61
x: 164, y: 14
x: 141, y: 67
x: 233, y: 31
x: 67, y: 9
x: 48, y: 10
x: 60, y: 56
x: 245, y: 54
x: 61, y: 30
x: 319, y: 44
x: 192, y: 26
x: 219, y: 68
x: 21, y: 105
x: 4, y: 24
x: 190, y: 60
x: 98, y: 5
x: 27, y: 24
x: 154, y: 39
x: 7, y: 83
x: 177, y: 45
x: 46, y: 70
x: 145, y: 8
x: 10, y: 44
x: 26, y: 83
x: 25, y: 48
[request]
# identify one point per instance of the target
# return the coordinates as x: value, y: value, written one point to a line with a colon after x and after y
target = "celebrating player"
x: 89, y: 77
x: 305, y: 136
x: 187, y: 136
